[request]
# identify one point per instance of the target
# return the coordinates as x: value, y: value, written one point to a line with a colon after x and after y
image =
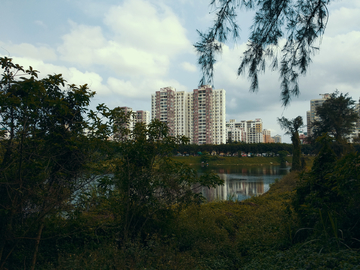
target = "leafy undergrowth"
x: 286, y: 184
x: 225, y: 235
x: 304, y: 257
x: 258, y: 233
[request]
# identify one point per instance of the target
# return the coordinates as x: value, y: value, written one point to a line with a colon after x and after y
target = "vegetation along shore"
x: 71, y: 198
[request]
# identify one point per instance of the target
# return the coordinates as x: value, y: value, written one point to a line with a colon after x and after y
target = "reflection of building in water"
x: 233, y: 189
x: 243, y: 189
x: 242, y: 182
x: 219, y: 193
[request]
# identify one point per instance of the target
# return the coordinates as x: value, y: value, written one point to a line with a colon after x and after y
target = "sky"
x: 125, y: 50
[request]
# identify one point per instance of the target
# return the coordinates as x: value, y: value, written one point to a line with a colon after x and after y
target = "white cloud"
x: 140, y: 89
x: 139, y: 24
x: 123, y: 88
x: 71, y: 75
x: 233, y: 103
x: 85, y: 46
x: 127, y: 57
x: 336, y: 67
x: 29, y: 50
x: 188, y: 67
x: 81, y: 44
x: 142, y: 42
x: 343, y: 20
x: 40, y: 23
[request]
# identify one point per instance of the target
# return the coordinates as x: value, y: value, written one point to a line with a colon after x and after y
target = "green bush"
x: 327, y: 198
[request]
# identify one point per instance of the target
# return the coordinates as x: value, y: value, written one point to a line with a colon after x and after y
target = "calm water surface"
x: 242, y: 182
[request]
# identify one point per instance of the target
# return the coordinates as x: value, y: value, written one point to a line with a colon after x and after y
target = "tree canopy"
x: 44, y: 155
x: 301, y: 23
x: 62, y: 162
x: 336, y: 116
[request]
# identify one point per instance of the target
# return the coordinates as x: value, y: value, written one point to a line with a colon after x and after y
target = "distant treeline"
x: 232, y: 148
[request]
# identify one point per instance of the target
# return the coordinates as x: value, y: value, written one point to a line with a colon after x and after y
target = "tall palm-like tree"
x: 292, y: 128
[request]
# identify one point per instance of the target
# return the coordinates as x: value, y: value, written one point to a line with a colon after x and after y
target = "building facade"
x: 249, y: 131
x: 124, y: 126
x: 142, y: 117
x: 311, y: 115
x: 267, y: 136
x: 254, y: 131
x: 236, y: 131
x: 277, y: 139
x: 163, y: 107
x: 202, y: 112
x: 200, y: 115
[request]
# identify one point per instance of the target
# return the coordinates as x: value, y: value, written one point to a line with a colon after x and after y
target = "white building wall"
x: 314, y: 103
x: 219, y: 113
x: 277, y: 138
x: 153, y: 106
x: 143, y: 117
x: 249, y: 131
x: 254, y: 131
x: 181, y: 114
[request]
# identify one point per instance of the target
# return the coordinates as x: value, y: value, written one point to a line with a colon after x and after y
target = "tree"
x: 301, y: 23
x: 43, y: 158
x: 327, y: 198
x: 147, y: 186
x: 336, y: 116
x: 282, y: 156
x: 292, y: 128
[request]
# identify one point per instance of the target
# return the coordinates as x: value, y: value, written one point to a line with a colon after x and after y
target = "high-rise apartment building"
x: 277, y: 139
x: 171, y: 107
x: 254, y: 131
x: 250, y: 131
x: 219, y: 114
x: 209, y: 126
x: 357, y: 109
x: 311, y: 115
x: 142, y: 117
x: 135, y: 117
x: 127, y: 110
x: 236, y: 131
x: 267, y: 136
x: 163, y: 107
x: 202, y: 120
x: 199, y: 116
x: 182, y: 126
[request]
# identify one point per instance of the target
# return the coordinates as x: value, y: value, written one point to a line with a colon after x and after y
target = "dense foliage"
x: 336, y: 116
x: 61, y: 178
x: 43, y: 155
x: 73, y: 199
x: 328, y: 196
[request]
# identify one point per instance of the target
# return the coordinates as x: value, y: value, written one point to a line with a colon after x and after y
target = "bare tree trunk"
x: 37, y: 246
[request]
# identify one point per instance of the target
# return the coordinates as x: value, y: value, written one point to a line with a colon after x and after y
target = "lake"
x: 242, y: 182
